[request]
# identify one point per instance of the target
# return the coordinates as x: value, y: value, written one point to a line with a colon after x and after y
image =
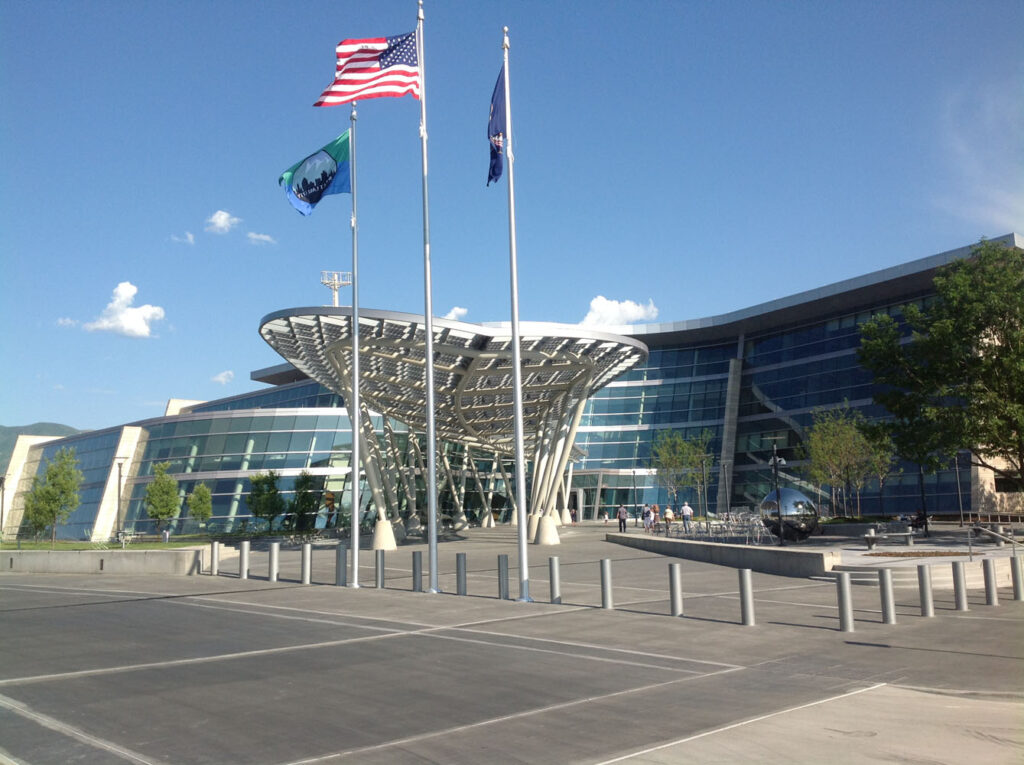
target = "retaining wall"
x: 166, y: 562
x: 784, y: 561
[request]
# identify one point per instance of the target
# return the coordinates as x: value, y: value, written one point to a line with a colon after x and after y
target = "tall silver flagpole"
x: 353, y: 405
x: 517, y: 371
x: 428, y: 325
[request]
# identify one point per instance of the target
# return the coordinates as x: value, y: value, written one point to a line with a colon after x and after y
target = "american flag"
x: 374, y: 68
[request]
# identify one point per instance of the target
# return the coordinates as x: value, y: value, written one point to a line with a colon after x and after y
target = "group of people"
x: 651, y: 515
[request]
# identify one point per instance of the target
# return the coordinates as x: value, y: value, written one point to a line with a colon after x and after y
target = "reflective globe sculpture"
x: 799, y: 515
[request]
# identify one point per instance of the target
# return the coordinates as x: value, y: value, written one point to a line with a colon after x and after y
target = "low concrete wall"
x: 784, y: 561
x: 166, y: 562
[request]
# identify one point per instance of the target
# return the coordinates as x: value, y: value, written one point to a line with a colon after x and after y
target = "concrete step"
x: 941, y: 573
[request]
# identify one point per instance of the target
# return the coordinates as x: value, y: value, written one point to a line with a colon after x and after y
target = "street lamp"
x: 120, y: 520
x: 775, y: 461
x: 635, y: 514
x: 704, y: 471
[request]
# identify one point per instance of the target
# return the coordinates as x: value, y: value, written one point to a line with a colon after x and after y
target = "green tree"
x: 959, y: 382
x: 162, y: 501
x: 843, y: 453
x: 668, y: 462
x: 680, y: 463
x: 264, y: 499
x: 305, y: 503
x: 200, y: 503
x: 53, y: 498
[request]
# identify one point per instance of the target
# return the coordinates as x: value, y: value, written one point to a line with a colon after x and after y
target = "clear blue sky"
x: 699, y: 157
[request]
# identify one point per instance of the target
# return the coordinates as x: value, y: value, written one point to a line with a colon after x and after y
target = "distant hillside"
x: 9, y: 435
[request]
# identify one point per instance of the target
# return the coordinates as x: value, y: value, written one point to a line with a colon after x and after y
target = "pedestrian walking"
x: 687, y: 513
x: 621, y: 514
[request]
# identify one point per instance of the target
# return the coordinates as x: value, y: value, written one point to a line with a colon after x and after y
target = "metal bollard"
x: 274, y: 565
x: 924, y: 588
x: 341, y: 565
x: 988, y: 566
x: 845, y: 602
x: 675, y: 589
x: 959, y: 586
x: 503, y: 577
x: 214, y: 558
x: 606, y: 584
x: 243, y: 560
x: 460, y: 574
x: 307, y: 562
x: 378, y: 560
x: 886, y: 593
x: 556, y: 580
x: 999, y: 530
x: 417, y: 571
x: 1018, y: 578
x: 746, y: 597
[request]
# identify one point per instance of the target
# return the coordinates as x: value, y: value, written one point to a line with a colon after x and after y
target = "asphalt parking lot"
x: 201, y: 669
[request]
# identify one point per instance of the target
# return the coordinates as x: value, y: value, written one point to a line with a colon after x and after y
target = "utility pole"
x: 775, y: 461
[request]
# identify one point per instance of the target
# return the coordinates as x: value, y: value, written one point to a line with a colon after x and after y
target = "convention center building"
x: 593, y: 403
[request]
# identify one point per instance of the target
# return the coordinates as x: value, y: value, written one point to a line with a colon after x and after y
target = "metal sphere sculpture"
x: 799, y: 515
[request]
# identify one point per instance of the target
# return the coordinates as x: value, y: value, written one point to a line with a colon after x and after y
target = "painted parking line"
x: 723, y: 729
x: 497, y: 720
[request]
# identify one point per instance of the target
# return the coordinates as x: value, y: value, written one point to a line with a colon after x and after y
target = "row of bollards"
x: 844, y: 597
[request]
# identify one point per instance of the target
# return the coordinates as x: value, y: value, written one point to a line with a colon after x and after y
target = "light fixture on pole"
x: 775, y: 461
x: 120, y: 489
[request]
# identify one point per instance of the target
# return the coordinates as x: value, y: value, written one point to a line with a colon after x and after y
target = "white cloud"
x: 121, y: 317
x: 221, y: 222
x: 982, y: 132
x: 64, y: 321
x: 456, y: 313
x: 261, y: 238
x: 224, y: 377
x: 613, y: 313
x: 189, y: 238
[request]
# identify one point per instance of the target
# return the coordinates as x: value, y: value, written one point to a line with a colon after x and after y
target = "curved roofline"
x: 526, y: 328
x: 895, y: 283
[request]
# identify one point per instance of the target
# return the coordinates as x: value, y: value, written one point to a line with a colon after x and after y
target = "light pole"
x: 775, y: 461
x: 120, y: 520
x: 704, y: 472
x: 635, y: 516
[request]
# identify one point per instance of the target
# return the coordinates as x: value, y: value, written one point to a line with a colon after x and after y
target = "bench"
x: 872, y: 539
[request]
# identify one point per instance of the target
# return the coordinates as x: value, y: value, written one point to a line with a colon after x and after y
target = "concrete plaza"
x: 202, y: 669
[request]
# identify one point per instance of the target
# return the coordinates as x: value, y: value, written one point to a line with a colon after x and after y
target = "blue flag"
x: 496, y: 129
x: 322, y: 173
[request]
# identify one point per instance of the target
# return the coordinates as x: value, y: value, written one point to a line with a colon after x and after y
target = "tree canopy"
x: 53, y: 498
x: 843, y: 453
x: 200, y: 503
x: 305, y: 503
x: 162, y: 501
x: 682, y: 463
x: 264, y: 499
x: 959, y: 382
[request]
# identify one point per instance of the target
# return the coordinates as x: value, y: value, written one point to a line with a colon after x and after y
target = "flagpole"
x: 428, y: 325
x: 517, y: 370
x: 353, y: 405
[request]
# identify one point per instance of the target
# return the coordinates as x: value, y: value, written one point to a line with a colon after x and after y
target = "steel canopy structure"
x: 562, y: 366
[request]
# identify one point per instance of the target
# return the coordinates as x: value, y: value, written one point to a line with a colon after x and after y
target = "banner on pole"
x: 324, y: 172
x: 376, y: 67
x: 496, y: 129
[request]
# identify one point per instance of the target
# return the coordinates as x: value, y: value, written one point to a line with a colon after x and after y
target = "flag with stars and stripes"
x: 374, y: 68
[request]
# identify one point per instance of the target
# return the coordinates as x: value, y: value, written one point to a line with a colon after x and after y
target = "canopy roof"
x: 472, y: 367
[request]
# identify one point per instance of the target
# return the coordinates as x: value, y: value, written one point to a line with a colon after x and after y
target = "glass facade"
x: 787, y: 374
